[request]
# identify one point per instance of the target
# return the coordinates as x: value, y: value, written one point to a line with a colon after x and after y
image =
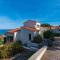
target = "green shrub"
x: 10, y: 50
x: 45, y: 25
x: 56, y: 34
x: 37, y: 39
x: 48, y: 34
x: 4, y: 52
x: 1, y: 42
x: 16, y: 48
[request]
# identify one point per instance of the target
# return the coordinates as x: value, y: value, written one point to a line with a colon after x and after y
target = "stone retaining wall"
x: 39, y: 54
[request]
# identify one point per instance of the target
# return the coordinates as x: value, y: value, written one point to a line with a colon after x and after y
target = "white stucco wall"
x: 17, y: 35
x: 25, y: 35
x: 37, y: 24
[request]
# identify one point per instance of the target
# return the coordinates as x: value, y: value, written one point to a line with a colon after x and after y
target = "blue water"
x: 3, y: 31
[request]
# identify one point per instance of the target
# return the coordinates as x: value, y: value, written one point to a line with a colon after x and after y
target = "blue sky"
x: 14, y: 12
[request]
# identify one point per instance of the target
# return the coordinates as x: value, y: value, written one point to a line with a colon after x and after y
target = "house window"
x: 29, y: 36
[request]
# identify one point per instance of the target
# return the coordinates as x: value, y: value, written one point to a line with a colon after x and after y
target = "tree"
x: 37, y: 39
x: 49, y: 37
x: 45, y: 25
x: 48, y: 34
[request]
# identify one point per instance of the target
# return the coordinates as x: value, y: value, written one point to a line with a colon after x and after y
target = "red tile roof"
x: 1, y: 37
x: 29, y: 28
x: 14, y: 30
x: 53, y: 27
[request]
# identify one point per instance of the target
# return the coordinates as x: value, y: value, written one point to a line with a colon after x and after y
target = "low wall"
x: 39, y: 54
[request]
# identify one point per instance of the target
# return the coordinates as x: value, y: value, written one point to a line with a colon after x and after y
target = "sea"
x: 3, y: 31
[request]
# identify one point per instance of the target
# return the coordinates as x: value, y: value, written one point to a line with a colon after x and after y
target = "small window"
x: 29, y: 36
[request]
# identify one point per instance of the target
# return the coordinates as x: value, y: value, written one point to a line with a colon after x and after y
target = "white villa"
x: 24, y: 33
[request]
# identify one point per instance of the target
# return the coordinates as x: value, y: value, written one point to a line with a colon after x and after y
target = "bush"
x: 4, y: 52
x: 1, y: 42
x: 45, y: 25
x: 48, y: 34
x: 37, y: 39
x: 16, y: 48
x: 57, y: 34
x: 10, y: 50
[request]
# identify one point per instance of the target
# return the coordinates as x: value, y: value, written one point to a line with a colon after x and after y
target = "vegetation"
x: 48, y: 34
x: 45, y: 25
x: 1, y: 41
x: 10, y: 50
x: 57, y: 34
x: 37, y: 39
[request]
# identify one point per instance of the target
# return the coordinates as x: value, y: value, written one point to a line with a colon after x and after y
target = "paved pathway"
x: 52, y: 53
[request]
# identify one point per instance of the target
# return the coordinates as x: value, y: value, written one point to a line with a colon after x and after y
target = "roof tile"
x: 29, y: 28
x: 14, y: 30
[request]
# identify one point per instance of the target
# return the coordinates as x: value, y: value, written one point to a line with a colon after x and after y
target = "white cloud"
x: 7, y: 23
